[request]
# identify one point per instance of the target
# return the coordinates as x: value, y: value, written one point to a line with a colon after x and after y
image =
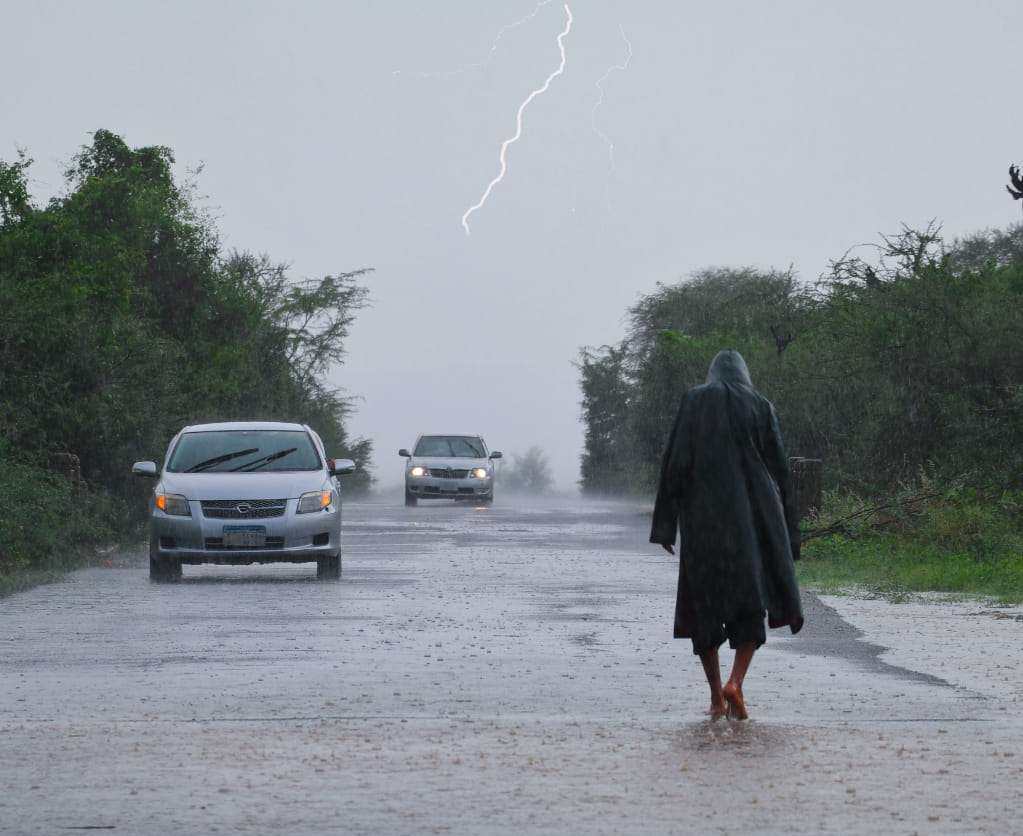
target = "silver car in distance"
x: 245, y: 492
x: 449, y: 467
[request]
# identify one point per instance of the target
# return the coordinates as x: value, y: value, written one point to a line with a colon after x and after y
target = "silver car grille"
x: 243, y: 509
x: 448, y: 473
x: 216, y: 544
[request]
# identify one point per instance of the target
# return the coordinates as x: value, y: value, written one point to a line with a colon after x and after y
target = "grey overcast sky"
x: 745, y: 133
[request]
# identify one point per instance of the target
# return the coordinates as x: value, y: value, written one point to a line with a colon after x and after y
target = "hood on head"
x: 729, y: 367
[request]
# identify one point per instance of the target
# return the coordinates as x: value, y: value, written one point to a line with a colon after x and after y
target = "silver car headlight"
x: 172, y: 504
x: 480, y: 473
x: 419, y: 471
x: 315, y: 501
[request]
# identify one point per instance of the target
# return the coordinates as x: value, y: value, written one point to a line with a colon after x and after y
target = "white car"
x: 449, y: 467
x: 245, y: 492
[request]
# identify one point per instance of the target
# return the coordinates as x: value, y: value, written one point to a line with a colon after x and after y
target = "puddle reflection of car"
x: 245, y: 492
x: 449, y: 467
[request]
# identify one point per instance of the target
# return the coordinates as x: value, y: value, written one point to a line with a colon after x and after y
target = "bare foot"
x: 718, y: 708
x: 736, y: 704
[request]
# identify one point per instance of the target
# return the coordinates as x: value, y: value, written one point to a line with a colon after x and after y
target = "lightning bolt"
x: 518, y: 121
x: 479, y: 65
x: 600, y: 100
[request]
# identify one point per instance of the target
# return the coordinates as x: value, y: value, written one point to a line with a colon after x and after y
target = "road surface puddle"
x: 736, y: 736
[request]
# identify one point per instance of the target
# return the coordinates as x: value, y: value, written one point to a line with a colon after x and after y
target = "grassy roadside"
x: 965, y: 543
x: 50, y: 526
x: 894, y: 566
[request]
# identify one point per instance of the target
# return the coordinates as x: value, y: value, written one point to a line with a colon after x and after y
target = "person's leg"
x: 732, y: 690
x: 712, y: 670
x: 707, y: 638
x: 745, y: 637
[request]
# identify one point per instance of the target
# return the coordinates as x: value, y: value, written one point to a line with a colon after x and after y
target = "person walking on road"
x: 725, y: 483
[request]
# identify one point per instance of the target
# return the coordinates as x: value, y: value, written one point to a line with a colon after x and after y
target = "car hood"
x: 459, y: 463
x: 243, y: 485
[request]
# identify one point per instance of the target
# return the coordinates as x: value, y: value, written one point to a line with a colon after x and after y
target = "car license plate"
x: 245, y: 536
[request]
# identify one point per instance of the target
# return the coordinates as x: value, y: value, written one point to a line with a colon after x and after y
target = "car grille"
x: 216, y: 544
x: 433, y: 489
x: 243, y: 509
x: 448, y: 473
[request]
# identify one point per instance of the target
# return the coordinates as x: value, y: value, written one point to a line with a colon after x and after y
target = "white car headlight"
x: 314, y: 501
x: 419, y: 471
x: 480, y: 473
x: 172, y: 504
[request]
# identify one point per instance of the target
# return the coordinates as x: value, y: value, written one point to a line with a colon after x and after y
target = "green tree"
x: 121, y: 320
x: 528, y: 473
x: 889, y: 365
x: 605, y: 407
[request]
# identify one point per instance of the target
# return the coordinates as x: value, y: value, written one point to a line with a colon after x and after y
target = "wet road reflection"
x: 501, y: 670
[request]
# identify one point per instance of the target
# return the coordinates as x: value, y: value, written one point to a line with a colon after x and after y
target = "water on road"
x: 498, y: 670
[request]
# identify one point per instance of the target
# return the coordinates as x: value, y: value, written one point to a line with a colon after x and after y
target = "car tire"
x: 164, y: 570
x: 411, y: 500
x: 329, y: 568
x: 487, y: 500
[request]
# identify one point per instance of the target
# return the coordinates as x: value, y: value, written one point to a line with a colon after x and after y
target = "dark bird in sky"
x: 1016, y: 189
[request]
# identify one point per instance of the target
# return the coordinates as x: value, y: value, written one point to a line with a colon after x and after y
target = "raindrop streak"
x: 518, y: 121
x: 479, y: 65
x: 593, y: 116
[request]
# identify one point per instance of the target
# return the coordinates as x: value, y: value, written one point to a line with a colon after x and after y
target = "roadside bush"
x: 970, y: 524
x: 529, y: 473
x: 49, y: 524
x: 963, y: 541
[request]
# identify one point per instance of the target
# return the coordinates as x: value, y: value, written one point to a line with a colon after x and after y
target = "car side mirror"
x: 405, y: 453
x: 340, y: 467
x: 497, y: 454
x: 146, y: 469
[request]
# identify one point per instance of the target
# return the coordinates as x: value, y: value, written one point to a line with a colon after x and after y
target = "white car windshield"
x: 243, y: 451
x: 450, y: 447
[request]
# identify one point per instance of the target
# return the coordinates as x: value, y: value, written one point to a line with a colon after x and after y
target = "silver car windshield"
x: 243, y: 451
x: 450, y: 447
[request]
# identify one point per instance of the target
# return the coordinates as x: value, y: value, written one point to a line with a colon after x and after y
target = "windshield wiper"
x: 263, y: 462
x: 226, y: 457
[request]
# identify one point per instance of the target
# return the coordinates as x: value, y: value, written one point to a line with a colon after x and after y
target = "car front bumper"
x: 290, y: 538
x: 433, y: 487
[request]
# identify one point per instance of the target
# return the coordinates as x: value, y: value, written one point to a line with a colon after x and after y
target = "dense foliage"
x: 905, y: 363
x: 121, y: 320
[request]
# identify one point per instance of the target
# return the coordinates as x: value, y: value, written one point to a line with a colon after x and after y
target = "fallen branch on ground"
x: 843, y: 524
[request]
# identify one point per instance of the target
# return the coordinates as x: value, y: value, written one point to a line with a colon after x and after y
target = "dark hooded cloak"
x: 725, y: 483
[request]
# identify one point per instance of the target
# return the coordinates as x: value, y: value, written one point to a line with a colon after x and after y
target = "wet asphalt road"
x: 499, y: 670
